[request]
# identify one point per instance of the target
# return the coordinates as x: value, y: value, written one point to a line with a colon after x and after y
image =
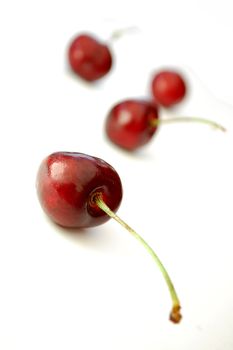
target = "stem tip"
x: 175, y: 315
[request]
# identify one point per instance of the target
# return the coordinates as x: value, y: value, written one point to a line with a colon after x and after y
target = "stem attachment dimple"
x: 175, y: 315
x: 170, y: 120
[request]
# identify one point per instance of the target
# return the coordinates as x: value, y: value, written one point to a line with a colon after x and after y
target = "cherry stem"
x: 175, y: 315
x: 116, y: 34
x: 156, y: 122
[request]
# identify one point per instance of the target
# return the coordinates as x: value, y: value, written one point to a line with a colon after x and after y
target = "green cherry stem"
x: 175, y: 315
x: 211, y: 123
x: 117, y: 34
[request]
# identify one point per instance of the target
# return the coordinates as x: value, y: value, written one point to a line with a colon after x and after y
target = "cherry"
x: 66, y: 183
x: 78, y: 190
x: 131, y: 124
x: 89, y: 58
x: 168, y: 88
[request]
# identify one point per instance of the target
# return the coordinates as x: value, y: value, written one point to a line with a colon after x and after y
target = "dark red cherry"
x: 89, y: 58
x: 68, y: 182
x: 77, y: 190
x: 131, y: 124
x: 168, y: 88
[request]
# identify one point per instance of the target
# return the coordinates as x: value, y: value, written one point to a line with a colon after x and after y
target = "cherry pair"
x: 91, y: 60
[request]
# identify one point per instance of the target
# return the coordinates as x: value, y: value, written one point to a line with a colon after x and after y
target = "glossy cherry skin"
x: 168, y: 88
x: 67, y: 184
x: 129, y: 123
x: 89, y: 58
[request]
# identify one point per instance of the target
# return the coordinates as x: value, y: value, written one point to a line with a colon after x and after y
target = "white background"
x: 98, y: 289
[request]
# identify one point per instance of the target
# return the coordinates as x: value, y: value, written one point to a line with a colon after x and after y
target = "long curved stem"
x: 215, y: 125
x: 175, y: 315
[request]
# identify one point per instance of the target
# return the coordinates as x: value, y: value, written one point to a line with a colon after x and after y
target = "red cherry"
x: 77, y: 190
x: 66, y: 184
x: 168, y: 88
x: 89, y: 58
x: 131, y: 124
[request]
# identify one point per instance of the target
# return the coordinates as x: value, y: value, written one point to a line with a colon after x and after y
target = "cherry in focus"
x: 67, y: 183
x: 130, y: 124
x: 78, y: 190
x: 168, y: 88
x: 89, y: 58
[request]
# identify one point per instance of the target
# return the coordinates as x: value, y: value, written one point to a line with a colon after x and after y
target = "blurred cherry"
x: 168, y: 88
